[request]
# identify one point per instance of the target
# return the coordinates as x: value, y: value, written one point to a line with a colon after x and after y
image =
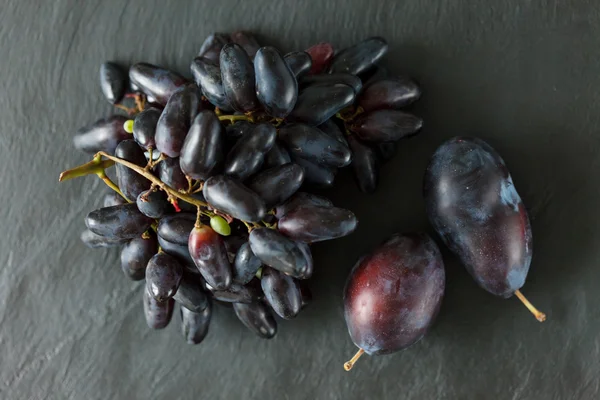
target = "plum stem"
x: 349, y: 364
x: 540, y: 316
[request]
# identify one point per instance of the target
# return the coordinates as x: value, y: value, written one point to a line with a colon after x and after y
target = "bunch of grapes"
x: 207, y: 203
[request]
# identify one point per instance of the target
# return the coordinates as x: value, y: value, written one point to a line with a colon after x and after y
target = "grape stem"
x: 349, y: 364
x: 235, y: 118
x: 102, y: 175
x: 540, y: 316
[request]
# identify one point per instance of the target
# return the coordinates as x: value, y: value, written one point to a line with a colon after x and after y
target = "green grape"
x: 220, y: 225
x: 128, y: 126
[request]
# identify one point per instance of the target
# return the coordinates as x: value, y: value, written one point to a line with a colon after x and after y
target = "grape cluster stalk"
x: 212, y: 202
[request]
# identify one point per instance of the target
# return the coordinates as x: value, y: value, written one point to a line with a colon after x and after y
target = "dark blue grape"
x: 359, y: 58
x: 277, y: 184
x: 258, y: 318
x: 130, y: 182
x: 248, y: 154
x: 375, y: 74
x: 113, y: 81
x: 306, y: 294
x: 277, y: 156
x: 473, y: 205
x: 276, y: 86
x: 179, y: 252
x: 386, y: 150
x: 191, y: 294
x: 93, y: 241
x: 202, y: 151
x: 156, y: 82
x: 103, y: 135
x: 207, y: 75
x: 247, y: 41
x: 316, y: 104
x: 331, y: 79
x: 393, y: 295
x: 245, y: 265
x: 312, y: 223
x: 158, y: 314
x: 390, y: 93
x: 305, y: 249
x: 299, y: 62
x: 176, y: 119
x: 238, y: 293
x: 301, y: 199
x: 237, y: 74
x: 194, y: 325
x: 210, y: 256
x: 176, y: 228
x: 364, y: 165
x: 163, y: 275
x: 211, y: 48
x: 316, y: 175
x: 118, y: 222
x: 171, y: 175
x: 385, y: 125
x: 136, y: 254
x: 282, y: 293
x: 144, y: 127
x: 312, y: 144
x: 153, y: 203
x: 232, y: 197
x: 113, y: 199
x: 277, y: 251
x: 332, y: 129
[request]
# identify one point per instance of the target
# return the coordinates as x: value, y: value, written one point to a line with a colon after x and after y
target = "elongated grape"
x: 234, y: 242
x: 321, y: 55
x: 299, y: 62
x: 103, y: 135
x: 93, y: 241
x: 130, y: 182
x: 258, y: 318
x: 364, y: 165
x: 277, y: 251
x: 360, y: 57
x: 281, y: 292
x: 248, y: 155
x: 171, y: 175
x: 208, y: 252
x: 113, y: 199
x: 277, y: 156
x: 386, y: 125
x: 238, y: 293
x: 113, y: 81
x: 237, y: 74
x: 301, y: 199
x: 176, y: 228
x: 238, y: 129
x: 316, y: 175
x: 211, y: 48
x: 202, y: 151
x: 305, y: 249
x: 144, y: 127
x: 158, y: 314
x: 194, y: 325
x: 153, y: 203
x: 163, y: 275
x: 190, y: 293
x: 390, y: 93
x: 245, y: 265
x: 316, y: 104
x: 118, y: 222
x: 305, y: 293
x: 231, y: 197
x: 314, y: 224
x: 176, y: 119
x: 136, y: 254
x: 179, y: 252
x: 331, y: 79
x: 276, y: 86
x: 247, y: 41
x: 386, y: 150
x: 375, y: 74
x: 207, y: 75
x: 277, y: 184
x: 312, y: 144
x: 156, y: 82
x: 332, y: 129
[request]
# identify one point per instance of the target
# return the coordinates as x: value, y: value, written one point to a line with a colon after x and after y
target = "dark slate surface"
x: 524, y: 76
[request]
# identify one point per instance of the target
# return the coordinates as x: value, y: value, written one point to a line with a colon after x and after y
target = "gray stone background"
x: 523, y: 75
